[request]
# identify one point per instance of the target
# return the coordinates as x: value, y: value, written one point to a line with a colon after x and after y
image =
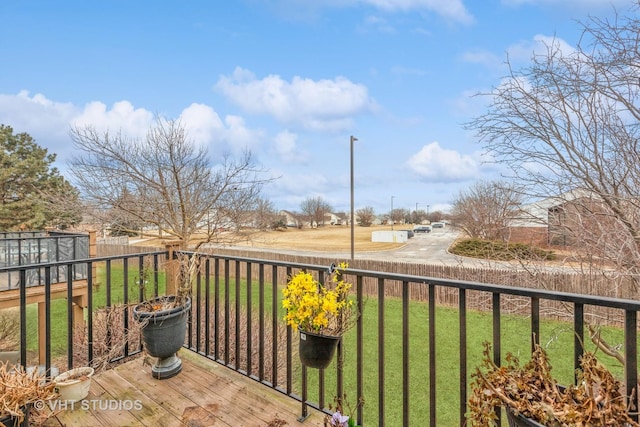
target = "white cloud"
x: 483, y: 57
x: 133, y: 122
x: 524, y: 51
x: 323, y: 105
x: 379, y: 24
x: 436, y: 164
x: 286, y: 147
x: 37, y: 116
x: 451, y: 9
x: 202, y: 123
x: 583, y: 4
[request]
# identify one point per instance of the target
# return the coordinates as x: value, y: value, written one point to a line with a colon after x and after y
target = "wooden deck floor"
x: 203, y: 394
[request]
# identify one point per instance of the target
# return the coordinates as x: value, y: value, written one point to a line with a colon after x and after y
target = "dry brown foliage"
x: 530, y: 390
x: 109, y: 337
x: 9, y: 330
x: 19, y: 388
x: 241, y: 334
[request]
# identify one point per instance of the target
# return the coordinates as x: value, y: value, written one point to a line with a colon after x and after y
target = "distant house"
x: 335, y: 219
x: 291, y: 219
x: 548, y: 221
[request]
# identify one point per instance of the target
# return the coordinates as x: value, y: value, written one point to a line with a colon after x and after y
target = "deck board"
x: 203, y: 394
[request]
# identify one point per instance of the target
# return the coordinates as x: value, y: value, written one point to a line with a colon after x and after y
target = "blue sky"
x: 291, y: 80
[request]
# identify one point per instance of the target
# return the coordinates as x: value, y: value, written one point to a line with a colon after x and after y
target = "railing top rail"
x: 80, y: 261
x: 574, y: 298
x: 619, y: 303
x: 26, y: 235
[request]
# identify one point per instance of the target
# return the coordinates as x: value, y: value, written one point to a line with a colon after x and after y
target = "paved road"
x: 428, y: 248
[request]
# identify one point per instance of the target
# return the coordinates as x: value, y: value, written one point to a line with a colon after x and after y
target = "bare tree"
x: 266, y: 216
x: 569, y: 123
x: 164, y: 182
x: 567, y: 127
x: 366, y: 216
x: 485, y: 208
x: 315, y: 208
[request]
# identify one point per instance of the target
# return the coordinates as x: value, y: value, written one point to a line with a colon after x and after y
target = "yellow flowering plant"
x: 321, y: 308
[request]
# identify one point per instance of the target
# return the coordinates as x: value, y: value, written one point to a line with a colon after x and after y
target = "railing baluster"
x: 22, y: 273
x: 227, y: 318
x: 405, y: 350
x: 578, y: 338
x: 462, y: 320
x: 207, y: 307
x: 535, y: 322
x: 238, y: 305
x: 359, y: 347
x: 249, y: 331
x: 198, y: 304
x: 381, y: 384
x: 261, y: 281
x: 496, y: 339
x: 47, y: 318
x: 432, y: 355
x: 631, y: 360
x: 216, y: 312
x: 71, y: 321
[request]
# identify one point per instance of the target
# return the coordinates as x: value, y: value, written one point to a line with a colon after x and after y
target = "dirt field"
x: 330, y: 238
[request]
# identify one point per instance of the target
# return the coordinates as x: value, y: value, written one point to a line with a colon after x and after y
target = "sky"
x: 289, y: 80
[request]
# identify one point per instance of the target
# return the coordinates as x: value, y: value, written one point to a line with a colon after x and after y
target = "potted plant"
x: 164, y: 320
x: 320, y: 312
x: 339, y: 418
x: 532, y: 397
x: 23, y: 395
x: 73, y: 385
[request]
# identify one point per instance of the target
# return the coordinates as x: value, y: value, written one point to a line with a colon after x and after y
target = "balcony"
x: 410, y: 355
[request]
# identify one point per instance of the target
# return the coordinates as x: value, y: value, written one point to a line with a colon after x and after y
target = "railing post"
x: 172, y: 268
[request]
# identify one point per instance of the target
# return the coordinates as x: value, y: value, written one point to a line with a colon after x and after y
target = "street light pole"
x: 391, y: 214
x: 416, y: 213
x: 352, y: 216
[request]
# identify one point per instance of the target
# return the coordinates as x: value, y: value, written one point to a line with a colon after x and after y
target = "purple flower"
x: 339, y: 420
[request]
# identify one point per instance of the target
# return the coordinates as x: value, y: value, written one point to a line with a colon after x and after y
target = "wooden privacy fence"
x: 570, y: 282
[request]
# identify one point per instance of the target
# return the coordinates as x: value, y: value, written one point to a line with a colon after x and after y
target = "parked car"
x: 422, y: 229
x: 409, y: 233
x: 437, y: 225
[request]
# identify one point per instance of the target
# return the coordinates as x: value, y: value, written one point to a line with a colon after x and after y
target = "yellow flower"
x: 312, y: 306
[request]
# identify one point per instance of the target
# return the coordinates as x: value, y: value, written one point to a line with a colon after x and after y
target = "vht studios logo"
x: 86, y: 405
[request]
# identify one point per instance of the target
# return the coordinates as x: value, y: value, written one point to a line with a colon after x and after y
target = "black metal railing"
x: 398, y: 356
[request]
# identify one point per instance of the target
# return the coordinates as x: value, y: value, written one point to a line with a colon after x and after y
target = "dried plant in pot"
x: 164, y: 320
x: 24, y: 395
x: 532, y: 397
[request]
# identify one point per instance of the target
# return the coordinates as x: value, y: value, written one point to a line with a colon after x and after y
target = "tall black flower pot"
x: 163, y: 335
x: 520, y: 420
x: 316, y: 351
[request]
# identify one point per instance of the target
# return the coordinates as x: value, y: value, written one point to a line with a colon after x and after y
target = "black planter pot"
x: 316, y: 351
x: 11, y: 421
x: 163, y: 335
x: 520, y: 420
